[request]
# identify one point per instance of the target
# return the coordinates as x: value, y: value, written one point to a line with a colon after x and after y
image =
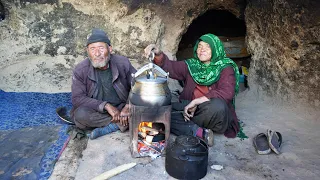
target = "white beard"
x: 101, y: 64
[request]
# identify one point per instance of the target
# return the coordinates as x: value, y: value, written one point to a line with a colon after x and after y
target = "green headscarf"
x: 207, y: 74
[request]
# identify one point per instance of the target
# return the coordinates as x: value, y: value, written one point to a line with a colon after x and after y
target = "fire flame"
x: 143, y: 124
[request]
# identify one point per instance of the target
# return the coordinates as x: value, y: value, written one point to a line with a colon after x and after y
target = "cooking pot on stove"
x: 187, y: 158
x: 150, y: 86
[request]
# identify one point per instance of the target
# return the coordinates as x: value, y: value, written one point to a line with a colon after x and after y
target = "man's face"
x: 99, y: 54
x: 204, y: 52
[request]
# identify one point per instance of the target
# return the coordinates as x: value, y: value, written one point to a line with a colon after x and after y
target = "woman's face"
x: 204, y: 52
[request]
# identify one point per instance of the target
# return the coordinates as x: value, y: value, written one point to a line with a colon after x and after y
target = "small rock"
x: 217, y: 167
x: 61, y: 50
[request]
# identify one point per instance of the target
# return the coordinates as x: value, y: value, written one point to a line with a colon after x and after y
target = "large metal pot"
x: 150, y: 87
x: 187, y: 158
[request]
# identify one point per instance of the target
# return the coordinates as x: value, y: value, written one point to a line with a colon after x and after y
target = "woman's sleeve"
x: 177, y: 69
x: 224, y: 87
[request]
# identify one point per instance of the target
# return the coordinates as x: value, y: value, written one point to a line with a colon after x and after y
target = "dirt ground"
x: 300, y: 158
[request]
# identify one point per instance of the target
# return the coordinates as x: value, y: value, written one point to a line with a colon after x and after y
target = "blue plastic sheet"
x: 31, y: 134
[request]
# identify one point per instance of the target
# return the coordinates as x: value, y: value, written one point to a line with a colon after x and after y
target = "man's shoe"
x: 208, y: 137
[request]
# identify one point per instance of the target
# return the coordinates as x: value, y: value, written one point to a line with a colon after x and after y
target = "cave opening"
x: 230, y: 29
x: 2, y: 12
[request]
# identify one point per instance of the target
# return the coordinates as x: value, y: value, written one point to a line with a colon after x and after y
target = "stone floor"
x: 300, y: 158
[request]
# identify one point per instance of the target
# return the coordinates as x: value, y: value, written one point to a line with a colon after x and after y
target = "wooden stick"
x: 114, y: 171
x: 146, y: 128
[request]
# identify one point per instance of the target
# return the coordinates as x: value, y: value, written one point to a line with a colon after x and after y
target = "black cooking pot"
x: 187, y: 158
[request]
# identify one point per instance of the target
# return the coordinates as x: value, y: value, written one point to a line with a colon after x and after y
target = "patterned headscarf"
x: 207, y: 74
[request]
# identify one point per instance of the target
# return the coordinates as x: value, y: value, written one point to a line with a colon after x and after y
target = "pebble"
x: 217, y: 167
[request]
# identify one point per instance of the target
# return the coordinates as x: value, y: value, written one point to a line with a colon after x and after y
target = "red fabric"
x: 199, y: 132
x: 200, y: 91
x: 224, y: 88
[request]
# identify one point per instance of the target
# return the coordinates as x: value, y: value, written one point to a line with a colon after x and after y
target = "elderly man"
x: 100, y: 88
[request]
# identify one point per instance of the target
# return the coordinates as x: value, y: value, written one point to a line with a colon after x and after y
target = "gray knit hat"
x: 98, y: 35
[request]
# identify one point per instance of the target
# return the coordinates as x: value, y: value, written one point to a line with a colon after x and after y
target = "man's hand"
x: 114, y: 112
x: 124, y: 115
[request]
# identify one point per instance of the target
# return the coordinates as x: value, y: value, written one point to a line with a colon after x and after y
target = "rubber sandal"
x: 62, y: 112
x: 260, y: 142
x: 274, y: 140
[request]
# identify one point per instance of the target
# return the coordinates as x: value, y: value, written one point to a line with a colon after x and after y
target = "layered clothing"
x: 220, y: 79
x: 85, y: 83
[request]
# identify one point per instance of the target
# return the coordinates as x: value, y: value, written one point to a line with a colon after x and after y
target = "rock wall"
x: 42, y: 40
x: 284, y: 39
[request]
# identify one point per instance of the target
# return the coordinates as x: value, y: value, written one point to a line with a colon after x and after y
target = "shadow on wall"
x: 2, y: 12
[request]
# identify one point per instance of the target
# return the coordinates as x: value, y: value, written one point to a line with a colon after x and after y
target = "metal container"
x: 150, y: 87
x: 187, y: 158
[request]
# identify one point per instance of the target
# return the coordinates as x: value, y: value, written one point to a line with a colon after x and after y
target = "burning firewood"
x: 151, y: 146
x: 153, y: 133
x: 151, y: 130
x: 142, y: 134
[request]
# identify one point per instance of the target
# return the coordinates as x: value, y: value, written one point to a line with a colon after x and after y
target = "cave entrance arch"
x: 230, y: 29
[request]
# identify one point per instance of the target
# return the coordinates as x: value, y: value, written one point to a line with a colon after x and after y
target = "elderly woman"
x: 211, y: 81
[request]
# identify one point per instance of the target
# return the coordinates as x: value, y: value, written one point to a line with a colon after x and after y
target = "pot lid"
x: 187, y: 141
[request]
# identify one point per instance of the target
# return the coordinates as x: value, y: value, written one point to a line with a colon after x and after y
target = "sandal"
x: 274, y: 140
x: 62, y: 112
x: 260, y: 142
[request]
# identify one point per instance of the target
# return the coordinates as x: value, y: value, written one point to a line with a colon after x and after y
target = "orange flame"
x: 142, y: 124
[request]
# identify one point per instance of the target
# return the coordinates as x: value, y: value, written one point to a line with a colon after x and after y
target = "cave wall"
x: 284, y: 39
x: 42, y: 40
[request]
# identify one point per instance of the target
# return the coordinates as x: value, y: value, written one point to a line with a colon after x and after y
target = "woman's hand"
x: 191, y: 108
x: 189, y: 111
x: 151, y: 48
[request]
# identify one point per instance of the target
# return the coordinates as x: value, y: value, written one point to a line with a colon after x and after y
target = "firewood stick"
x: 114, y: 171
x: 146, y: 128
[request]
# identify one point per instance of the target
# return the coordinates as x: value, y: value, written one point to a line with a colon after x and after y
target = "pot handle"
x: 190, y: 153
x: 150, y: 66
x: 204, y: 144
x: 183, y: 157
x: 187, y: 152
x: 151, y: 56
x: 195, y: 153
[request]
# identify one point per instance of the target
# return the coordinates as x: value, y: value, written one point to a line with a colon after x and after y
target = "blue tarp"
x: 31, y: 134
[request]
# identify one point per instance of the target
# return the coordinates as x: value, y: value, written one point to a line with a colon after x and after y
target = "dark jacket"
x: 84, y: 82
x: 224, y: 88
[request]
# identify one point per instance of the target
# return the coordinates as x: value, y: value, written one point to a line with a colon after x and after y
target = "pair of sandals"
x: 267, y: 142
